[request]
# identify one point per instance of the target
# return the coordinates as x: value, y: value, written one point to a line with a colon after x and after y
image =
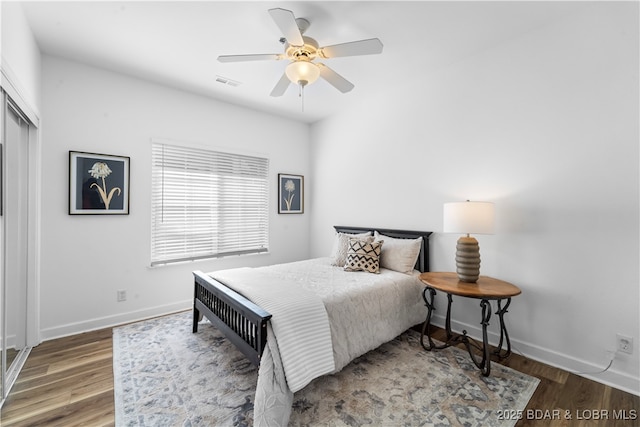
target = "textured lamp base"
x: 468, y: 259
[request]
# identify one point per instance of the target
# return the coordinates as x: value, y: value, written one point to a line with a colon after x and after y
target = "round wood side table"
x: 485, y: 289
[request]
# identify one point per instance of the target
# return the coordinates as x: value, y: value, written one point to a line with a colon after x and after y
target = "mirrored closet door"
x: 14, y: 222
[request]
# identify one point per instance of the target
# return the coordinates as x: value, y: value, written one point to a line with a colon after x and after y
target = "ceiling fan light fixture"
x: 302, y: 72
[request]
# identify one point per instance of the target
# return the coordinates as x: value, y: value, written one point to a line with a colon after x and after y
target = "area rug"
x: 165, y: 375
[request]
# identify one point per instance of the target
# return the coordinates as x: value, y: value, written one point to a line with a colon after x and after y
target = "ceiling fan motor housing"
x: 307, y: 52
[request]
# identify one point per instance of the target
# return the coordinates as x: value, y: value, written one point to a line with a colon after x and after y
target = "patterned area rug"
x: 167, y: 376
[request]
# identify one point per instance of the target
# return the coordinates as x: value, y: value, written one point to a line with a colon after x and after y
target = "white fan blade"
x: 361, y: 47
x: 243, y: 58
x: 335, y: 79
x: 281, y: 86
x: 286, y: 21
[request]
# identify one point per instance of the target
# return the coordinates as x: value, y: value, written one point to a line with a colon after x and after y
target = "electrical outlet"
x: 625, y: 343
x: 122, y: 295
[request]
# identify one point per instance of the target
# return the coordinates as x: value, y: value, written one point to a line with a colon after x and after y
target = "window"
x: 207, y: 204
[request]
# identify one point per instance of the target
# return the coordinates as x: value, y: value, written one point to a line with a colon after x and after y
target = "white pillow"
x: 341, y: 245
x: 399, y: 254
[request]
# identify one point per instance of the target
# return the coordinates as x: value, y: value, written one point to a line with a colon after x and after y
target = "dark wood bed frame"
x: 243, y: 322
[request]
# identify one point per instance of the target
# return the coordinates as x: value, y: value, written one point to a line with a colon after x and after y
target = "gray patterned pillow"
x: 341, y: 245
x: 363, y: 256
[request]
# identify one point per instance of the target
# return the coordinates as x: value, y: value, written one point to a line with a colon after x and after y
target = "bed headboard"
x: 422, y: 264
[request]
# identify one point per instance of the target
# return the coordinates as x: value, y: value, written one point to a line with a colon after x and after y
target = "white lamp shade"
x: 302, y: 71
x: 468, y: 217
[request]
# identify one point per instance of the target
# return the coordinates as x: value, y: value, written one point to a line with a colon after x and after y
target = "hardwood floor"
x: 69, y: 382
x: 65, y: 382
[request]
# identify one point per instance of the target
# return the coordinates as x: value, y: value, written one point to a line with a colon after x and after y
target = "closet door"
x: 15, y: 214
x: 3, y: 355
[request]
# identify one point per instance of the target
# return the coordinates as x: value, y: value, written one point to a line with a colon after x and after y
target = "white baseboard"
x: 610, y: 377
x: 111, y: 321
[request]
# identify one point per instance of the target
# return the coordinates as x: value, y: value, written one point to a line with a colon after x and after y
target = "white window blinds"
x: 207, y: 204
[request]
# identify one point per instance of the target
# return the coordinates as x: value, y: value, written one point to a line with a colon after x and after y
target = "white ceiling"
x: 177, y: 43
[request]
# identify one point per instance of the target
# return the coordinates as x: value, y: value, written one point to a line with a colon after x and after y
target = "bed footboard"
x: 241, y: 321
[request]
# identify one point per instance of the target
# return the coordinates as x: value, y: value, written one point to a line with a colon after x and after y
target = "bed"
x: 301, y: 320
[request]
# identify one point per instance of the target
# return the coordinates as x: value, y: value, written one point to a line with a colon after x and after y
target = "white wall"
x: 20, y: 55
x: 86, y: 259
x: 545, y: 126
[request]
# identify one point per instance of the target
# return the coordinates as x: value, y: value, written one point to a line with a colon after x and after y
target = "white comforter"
x: 364, y: 310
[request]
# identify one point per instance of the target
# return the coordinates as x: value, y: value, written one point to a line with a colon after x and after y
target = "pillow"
x: 399, y: 254
x: 341, y: 244
x: 363, y: 256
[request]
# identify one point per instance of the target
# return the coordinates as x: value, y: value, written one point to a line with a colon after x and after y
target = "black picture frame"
x: 290, y: 194
x: 98, y: 184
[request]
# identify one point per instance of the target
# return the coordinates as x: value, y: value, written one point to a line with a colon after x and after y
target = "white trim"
x: 611, y: 377
x: 33, y: 237
x: 10, y: 83
x: 115, y: 320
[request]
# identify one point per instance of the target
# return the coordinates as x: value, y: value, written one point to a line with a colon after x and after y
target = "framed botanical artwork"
x: 290, y: 194
x: 98, y: 184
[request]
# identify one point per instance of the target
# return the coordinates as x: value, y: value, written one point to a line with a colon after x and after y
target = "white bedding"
x: 364, y: 310
x: 299, y: 321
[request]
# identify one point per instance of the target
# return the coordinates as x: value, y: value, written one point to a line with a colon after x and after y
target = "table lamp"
x: 468, y: 218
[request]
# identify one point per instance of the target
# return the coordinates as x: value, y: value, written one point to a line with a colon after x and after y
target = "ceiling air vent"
x: 226, y: 81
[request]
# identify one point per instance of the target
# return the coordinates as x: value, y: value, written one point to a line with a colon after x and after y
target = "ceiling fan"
x: 302, y: 52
